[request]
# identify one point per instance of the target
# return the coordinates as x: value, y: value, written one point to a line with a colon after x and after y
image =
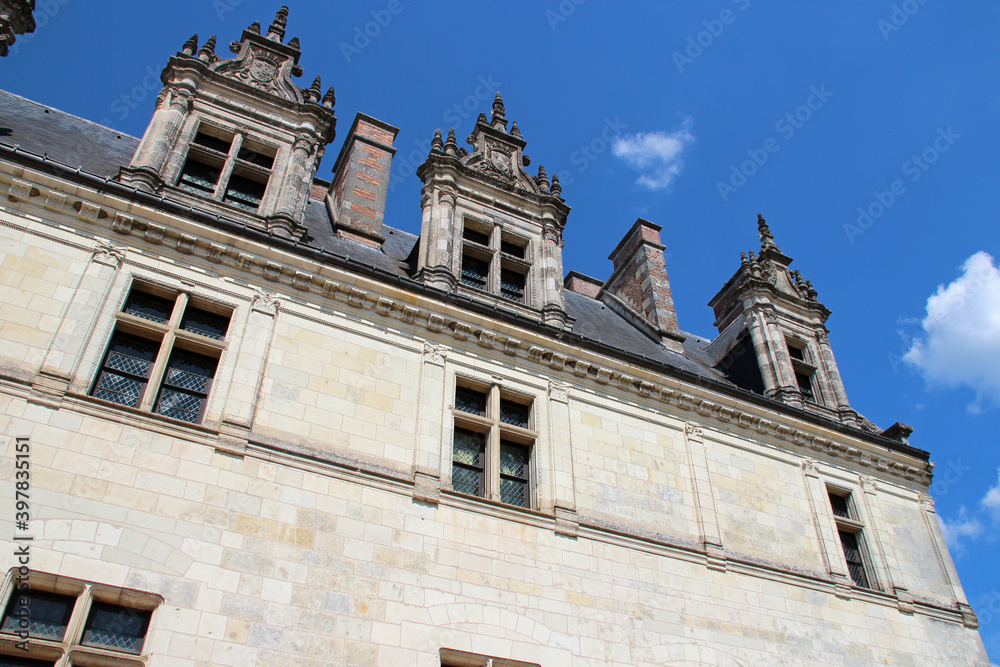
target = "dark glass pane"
x: 198, y: 177
x: 470, y: 400
x: 805, y: 385
x: 261, y: 159
x: 126, y: 368
x: 244, y: 193
x: 855, y: 562
x: 205, y: 323
x: 207, y: 140
x: 839, y: 504
x: 474, y: 272
x: 149, y: 307
x: 795, y: 352
x: 44, y: 615
x: 11, y: 661
x: 514, y: 414
x: 512, y: 249
x: 512, y: 285
x: 514, y: 474
x: 467, y: 472
x: 117, y: 628
x: 476, y: 237
x: 185, y: 386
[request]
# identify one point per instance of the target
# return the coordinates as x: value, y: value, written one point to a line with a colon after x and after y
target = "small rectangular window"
x: 469, y: 462
x: 515, y: 414
x: 46, y: 614
x: 475, y: 236
x: 474, y: 272
x: 185, y: 386
x: 125, y: 371
x: 116, y: 628
x: 512, y: 249
x: 149, y: 307
x: 13, y: 661
x: 805, y: 386
x: 199, y: 177
x: 244, y: 193
x: 212, y: 142
x: 204, y: 323
x: 470, y: 400
x: 259, y: 156
x: 512, y: 285
x: 850, y: 529
x: 514, y: 461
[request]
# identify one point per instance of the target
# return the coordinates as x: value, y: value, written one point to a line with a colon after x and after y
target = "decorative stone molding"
x: 427, y: 486
x: 694, y: 432
x: 809, y: 468
x: 558, y: 391
x: 435, y: 354
x: 868, y: 484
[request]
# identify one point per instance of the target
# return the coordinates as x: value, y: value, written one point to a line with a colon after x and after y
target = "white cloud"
x: 960, y: 342
x: 658, y: 155
x: 964, y: 527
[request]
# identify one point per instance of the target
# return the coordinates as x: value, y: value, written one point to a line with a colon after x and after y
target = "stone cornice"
x: 278, y: 261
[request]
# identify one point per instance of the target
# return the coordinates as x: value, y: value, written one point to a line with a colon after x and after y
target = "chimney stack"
x: 639, y: 288
x: 361, y: 179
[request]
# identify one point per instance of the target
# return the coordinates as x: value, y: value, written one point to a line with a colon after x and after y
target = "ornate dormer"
x: 772, y: 334
x: 237, y: 135
x: 490, y: 231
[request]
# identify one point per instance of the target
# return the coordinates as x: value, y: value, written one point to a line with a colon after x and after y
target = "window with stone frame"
x: 495, y: 261
x: 227, y: 167
x: 65, y: 622
x: 163, y: 354
x: 453, y: 658
x: 493, y: 442
x: 850, y: 533
x: 804, y: 369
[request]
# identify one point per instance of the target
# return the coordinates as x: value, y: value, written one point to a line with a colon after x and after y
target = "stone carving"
x: 869, y: 484
x: 558, y: 391
x: 809, y: 468
x: 694, y: 432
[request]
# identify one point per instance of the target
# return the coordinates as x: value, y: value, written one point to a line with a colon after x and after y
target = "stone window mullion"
x: 493, y: 448
x: 163, y: 356
x: 227, y: 169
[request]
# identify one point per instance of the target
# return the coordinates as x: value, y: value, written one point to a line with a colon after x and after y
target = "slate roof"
x: 101, y: 151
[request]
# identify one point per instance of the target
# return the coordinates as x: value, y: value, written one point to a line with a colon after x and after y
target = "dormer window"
x: 495, y: 261
x: 227, y: 167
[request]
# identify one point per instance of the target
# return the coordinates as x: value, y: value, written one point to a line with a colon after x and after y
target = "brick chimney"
x: 356, y: 198
x: 639, y: 288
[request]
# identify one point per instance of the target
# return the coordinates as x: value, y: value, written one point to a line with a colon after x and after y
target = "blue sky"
x: 865, y: 132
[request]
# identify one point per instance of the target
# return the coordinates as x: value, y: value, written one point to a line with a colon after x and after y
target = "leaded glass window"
x: 116, y: 628
x: 474, y: 272
x: 46, y: 614
x: 492, y: 444
x: 174, y: 371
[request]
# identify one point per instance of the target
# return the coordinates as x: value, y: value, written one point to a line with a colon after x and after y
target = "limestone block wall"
x: 309, y: 519
x: 270, y: 560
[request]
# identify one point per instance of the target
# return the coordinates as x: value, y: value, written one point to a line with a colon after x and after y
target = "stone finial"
x: 482, y: 119
x: 437, y: 144
x: 515, y: 131
x: 313, y: 92
x: 330, y: 98
x: 744, y: 262
x: 766, y: 237
x: 498, y: 118
x: 190, y: 46
x: 277, y: 30
x: 556, y: 189
x: 542, y: 180
x: 811, y: 291
x: 295, y: 44
x: 207, y: 52
x: 254, y: 28
x: 451, y: 145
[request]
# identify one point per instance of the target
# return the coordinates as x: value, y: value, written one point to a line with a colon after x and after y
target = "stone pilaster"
x: 704, y: 497
x: 428, y: 445
x: 560, y: 443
